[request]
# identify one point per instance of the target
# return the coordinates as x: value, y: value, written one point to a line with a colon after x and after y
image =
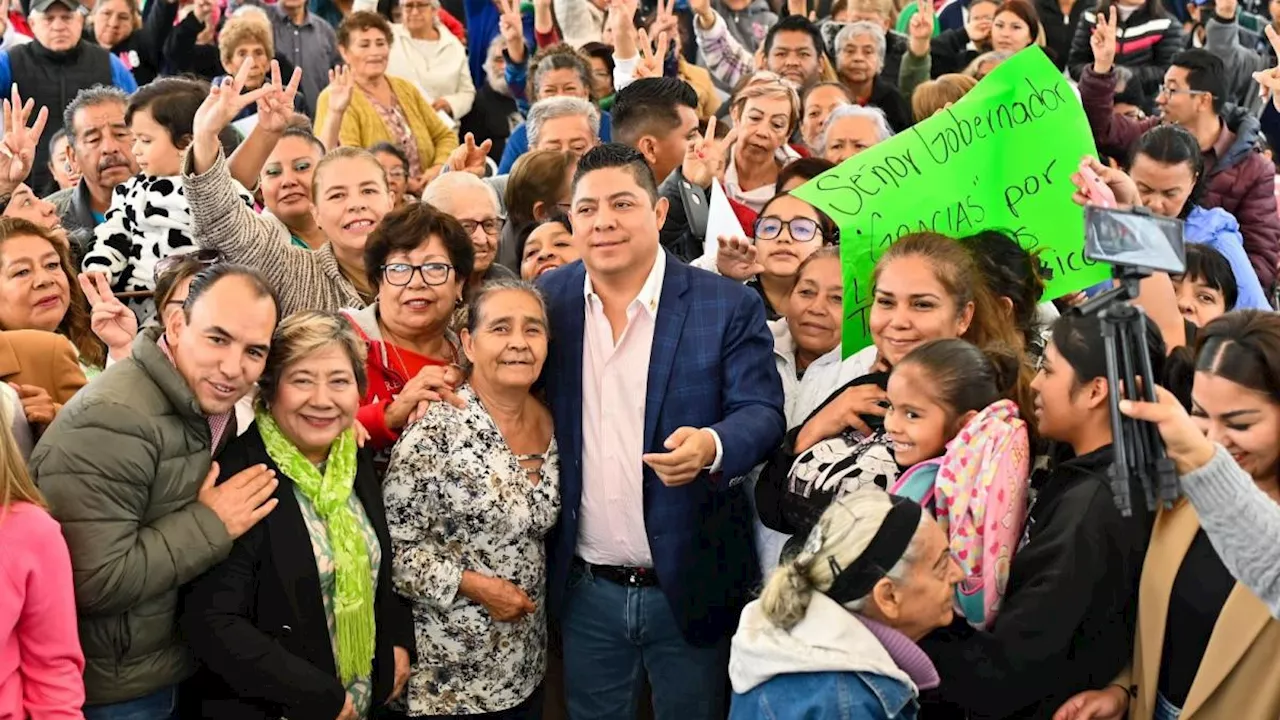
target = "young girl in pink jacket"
x: 41, y: 665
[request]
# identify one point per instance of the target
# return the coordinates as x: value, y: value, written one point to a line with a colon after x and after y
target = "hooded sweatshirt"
x: 1218, y: 229
x: 832, y: 661
x: 748, y: 26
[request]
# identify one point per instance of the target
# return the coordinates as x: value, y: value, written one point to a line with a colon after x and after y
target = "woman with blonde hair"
x: 41, y: 664
x: 765, y: 114
x: 934, y: 96
x: 834, y: 632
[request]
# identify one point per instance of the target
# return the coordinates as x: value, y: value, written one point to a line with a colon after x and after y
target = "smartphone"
x: 1134, y: 239
x: 1095, y: 190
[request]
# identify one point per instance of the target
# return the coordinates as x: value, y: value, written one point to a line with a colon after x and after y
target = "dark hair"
x: 1205, y: 73
x: 59, y: 134
x: 650, y: 106
x: 305, y: 133
x: 76, y: 323
x: 825, y: 84
x: 806, y: 168
x: 1133, y: 92
x: 1243, y: 347
x: 360, y: 21
x: 601, y: 52
x: 203, y: 281
x: 1027, y: 12
x: 1170, y: 144
x: 183, y: 268
x: 1154, y: 8
x: 1077, y: 339
x: 389, y: 149
x: 172, y: 103
x: 830, y: 231
x: 409, y: 227
x: 522, y: 237
x: 796, y: 23
x: 1205, y: 264
x: 230, y: 139
x: 87, y: 98
x: 964, y: 378
x: 617, y: 155
x: 1013, y: 273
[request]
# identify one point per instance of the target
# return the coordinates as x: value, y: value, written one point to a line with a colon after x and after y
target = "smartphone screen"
x: 1124, y: 238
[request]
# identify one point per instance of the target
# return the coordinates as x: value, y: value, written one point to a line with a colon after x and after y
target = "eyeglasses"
x: 202, y: 258
x: 492, y: 226
x: 415, y: 7
x: 1170, y: 92
x: 801, y: 229
x: 401, y: 274
x: 397, y: 174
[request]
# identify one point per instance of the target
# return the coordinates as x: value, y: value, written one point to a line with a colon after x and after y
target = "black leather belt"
x: 622, y: 575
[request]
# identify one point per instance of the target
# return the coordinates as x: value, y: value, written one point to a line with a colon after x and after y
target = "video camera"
x: 1136, y: 244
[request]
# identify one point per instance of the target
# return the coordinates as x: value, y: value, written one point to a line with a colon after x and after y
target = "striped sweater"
x: 1147, y: 45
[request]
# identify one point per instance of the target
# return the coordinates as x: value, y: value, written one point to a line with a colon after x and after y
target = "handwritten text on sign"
x: 1001, y: 158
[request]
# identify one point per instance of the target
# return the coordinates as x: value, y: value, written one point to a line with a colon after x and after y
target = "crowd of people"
x: 380, y: 360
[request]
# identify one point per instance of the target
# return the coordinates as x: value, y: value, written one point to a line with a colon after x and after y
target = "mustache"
x: 112, y: 161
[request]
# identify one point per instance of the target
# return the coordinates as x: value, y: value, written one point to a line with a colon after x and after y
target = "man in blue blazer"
x: 663, y: 388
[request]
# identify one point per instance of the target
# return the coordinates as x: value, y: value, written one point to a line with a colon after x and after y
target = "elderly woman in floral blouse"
x: 470, y: 495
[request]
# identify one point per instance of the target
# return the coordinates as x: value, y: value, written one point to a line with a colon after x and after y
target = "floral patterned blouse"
x: 398, y: 127
x: 361, y: 688
x: 458, y: 499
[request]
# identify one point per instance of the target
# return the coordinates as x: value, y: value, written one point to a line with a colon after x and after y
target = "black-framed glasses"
x: 401, y: 274
x: 492, y: 226
x: 801, y: 229
x: 203, y: 257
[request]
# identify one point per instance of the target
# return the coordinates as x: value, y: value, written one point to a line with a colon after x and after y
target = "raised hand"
x: 511, y: 25
x: 225, y: 101
x: 112, y: 321
x: 650, y: 65
x: 664, y: 21
x: 706, y: 158
x: 736, y: 258
x: 275, y: 109
x: 1103, y: 43
x: 341, y: 84
x: 701, y: 9
x: 920, y: 29
x: 1269, y: 79
x: 18, y: 146
x: 469, y: 157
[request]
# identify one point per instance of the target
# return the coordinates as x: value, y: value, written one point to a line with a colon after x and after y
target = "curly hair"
x: 242, y: 30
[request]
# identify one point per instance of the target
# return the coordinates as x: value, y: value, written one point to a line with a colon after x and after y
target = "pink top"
x: 41, y: 665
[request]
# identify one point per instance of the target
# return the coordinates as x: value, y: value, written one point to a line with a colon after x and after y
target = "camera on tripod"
x: 1135, y: 244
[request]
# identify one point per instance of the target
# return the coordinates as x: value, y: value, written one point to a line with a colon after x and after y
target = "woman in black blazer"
x: 300, y: 620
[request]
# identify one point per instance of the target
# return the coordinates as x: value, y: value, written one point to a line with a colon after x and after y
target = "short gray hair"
x: 87, y: 98
x: 560, y: 61
x: 483, y: 293
x: 437, y: 193
x: 874, y: 114
x: 862, y: 27
x: 558, y: 107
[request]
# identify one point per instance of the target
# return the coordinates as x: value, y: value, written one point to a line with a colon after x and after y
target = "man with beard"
x: 494, y: 114
x: 100, y: 141
x: 56, y: 65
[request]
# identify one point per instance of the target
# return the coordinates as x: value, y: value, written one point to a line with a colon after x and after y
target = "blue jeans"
x: 159, y: 705
x: 612, y: 634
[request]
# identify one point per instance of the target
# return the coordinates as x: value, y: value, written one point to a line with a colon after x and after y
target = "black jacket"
x: 951, y: 52
x: 491, y: 118
x: 184, y: 56
x: 141, y: 52
x: 1147, y: 45
x: 1059, y: 29
x: 1067, y: 621
x: 257, y: 623
x: 886, y: 96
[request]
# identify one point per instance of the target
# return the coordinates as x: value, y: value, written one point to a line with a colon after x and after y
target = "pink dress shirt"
x: 41, y: 664
x: 615, y: 378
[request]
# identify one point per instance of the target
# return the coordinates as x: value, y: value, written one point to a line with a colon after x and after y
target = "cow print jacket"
x: 149, y: 220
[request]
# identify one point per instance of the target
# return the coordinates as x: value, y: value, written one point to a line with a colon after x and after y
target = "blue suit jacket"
x: 711, y: 366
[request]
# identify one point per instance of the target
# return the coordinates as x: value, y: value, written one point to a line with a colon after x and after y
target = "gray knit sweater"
x: 1242, y: 522
x: 305, y: 279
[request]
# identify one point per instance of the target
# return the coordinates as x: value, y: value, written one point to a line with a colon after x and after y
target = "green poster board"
x: 1000, y: 159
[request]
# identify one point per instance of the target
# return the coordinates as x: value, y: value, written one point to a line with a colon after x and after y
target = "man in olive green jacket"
x: 126, y: 467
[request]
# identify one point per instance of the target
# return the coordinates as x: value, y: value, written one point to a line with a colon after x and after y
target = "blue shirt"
x: 1219, y: 230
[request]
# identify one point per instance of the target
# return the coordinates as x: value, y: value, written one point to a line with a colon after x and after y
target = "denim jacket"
x: 833, y: 665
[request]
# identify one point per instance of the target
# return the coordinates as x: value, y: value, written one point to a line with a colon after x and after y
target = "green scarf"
x: 353, y: 578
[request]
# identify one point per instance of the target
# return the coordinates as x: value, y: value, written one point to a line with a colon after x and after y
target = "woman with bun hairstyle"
x: 833, y: 634
x: 1066, y: 622
x: 1205, y: 643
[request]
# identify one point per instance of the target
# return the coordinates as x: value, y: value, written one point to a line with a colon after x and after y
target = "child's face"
x: 917, y: 424
x: 154, y: 150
